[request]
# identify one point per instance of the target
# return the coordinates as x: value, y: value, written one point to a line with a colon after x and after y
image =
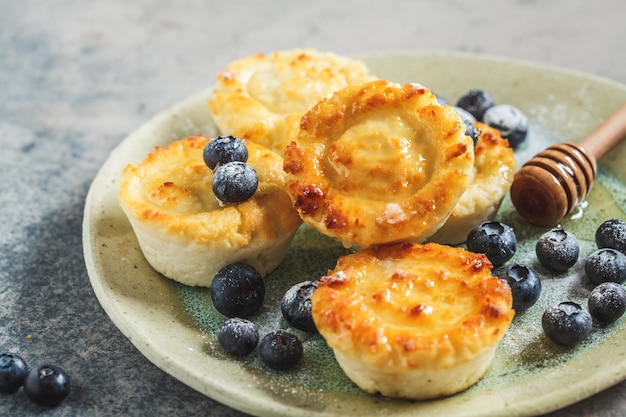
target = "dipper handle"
x: 606, y: 136
x: 554, y: 181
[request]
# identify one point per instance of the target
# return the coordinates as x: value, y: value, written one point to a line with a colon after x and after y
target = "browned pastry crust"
x: 183, y: 230
x: 263, y: 97
x: 379, y: 163
x: 494, y: 167
x: 413, y: 321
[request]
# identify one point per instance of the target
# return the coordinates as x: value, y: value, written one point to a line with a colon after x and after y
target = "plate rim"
x: 154, y: 354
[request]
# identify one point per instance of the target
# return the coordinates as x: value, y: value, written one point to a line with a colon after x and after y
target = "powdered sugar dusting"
x: 393, y: 214
x: 524, y: 352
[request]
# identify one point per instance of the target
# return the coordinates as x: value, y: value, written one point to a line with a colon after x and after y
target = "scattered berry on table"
x: 13, y: 371
x: 238, y: 290
x: 47, y: 385
x: 238, y: 336
x: 612, y: 234
x: 606, y: 265
x: 234, y: 182
x: 607, y: 302
x: 525, y: 285
x: 495, y: 239
x: 296, y: 306
x: 280, y: 350
x: 476, y: 102
x: 510, y: 121
x: 566, y: 323
x: 224, y: 149
x: 557, y: 250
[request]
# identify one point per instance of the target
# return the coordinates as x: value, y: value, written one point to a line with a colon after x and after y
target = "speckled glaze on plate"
x: 174, y: 326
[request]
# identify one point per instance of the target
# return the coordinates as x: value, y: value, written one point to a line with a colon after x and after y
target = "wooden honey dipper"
x: 554, y: 181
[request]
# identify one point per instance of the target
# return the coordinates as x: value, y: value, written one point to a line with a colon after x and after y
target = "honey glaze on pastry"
x: 413, y: 321
x: 182, y: 229
x: 379, y: 163
x: 494, y: 166
x: 263, y: 97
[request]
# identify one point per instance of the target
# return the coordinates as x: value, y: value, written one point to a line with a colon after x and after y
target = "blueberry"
x: 606, y: 265
x: 476, y: 102
x: 612, y: 234
x: 234, y: 182
x: 238, y: 336
x: 496, y: 240
x: 280, y: 350
x: 224, y: 149
x: 13, y: 371
x: 607, y: 302
x: 470, y: 128
x: 296, y: 306
x: 557, y: 250
x: 566, y: 323
x: 510, y: 121
x: 525, y: 285
x: 47, y: 385
x: 238, y: 290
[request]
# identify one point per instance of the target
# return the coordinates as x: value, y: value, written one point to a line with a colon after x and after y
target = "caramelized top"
x: 263, y: 97
x: 410, y: 305
x: 494, y: 167
x: 171, y: 189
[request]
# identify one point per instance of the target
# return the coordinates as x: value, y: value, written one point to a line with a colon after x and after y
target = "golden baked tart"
x: 183, y: 230
x: 263, y: 97
x: 413, y: 321
x: 494, y: 166
x: 379, y: 163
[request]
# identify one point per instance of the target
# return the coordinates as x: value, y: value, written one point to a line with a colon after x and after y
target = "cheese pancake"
x: 413, y: 321
x: 184, y: 231
x: 379, y: 163
x: 263, y: 97
x: 494, y: 166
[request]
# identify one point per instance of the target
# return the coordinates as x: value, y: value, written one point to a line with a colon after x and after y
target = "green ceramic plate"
x: 175, y: 326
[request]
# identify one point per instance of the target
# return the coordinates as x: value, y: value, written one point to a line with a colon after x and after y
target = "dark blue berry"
x: 525, y: 285
x: 296, y: 306
x: 510, y: 121
x: 47, y: 385
x: 238, y: 290
x: 557, y: 250
x: 476, y: 102
x: 496, y: 240
x: 234, y: 182
x: 612, y: 234
x: 606, y: 265
x: 470, y: 128
x: 607, y: 302
x: 238, y: 336
x: 13, y: 371
x: 566, y: 323
x: 280, y: 350
x: 224, y: 149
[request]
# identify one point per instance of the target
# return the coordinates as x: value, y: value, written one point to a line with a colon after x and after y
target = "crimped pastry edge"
x: 194, y: 264
x: 238, y: 111
x: 375, y: 220
x: 373, y: 349
x: 494, y: 162
x: 416, y: 384
x: 191, y: 248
